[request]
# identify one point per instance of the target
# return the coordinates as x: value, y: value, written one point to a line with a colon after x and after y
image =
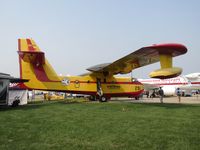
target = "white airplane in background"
x: 185, y: 83
x: 194, y: 79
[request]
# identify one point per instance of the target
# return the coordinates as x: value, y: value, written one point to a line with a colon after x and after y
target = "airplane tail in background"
x: 33, y: 64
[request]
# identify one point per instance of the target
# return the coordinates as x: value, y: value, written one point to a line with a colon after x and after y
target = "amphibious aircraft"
x: 185, y: 83
x: 101, y: 81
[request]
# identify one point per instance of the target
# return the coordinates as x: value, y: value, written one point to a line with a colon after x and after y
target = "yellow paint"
x: 166, y: 72
x: 48, y: 96
x: 87, y: 83
x: 165, y: 61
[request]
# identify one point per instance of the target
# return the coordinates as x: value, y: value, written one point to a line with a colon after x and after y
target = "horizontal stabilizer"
x: 33, y: 64
x: 30, y: 52
x: 37, y: 58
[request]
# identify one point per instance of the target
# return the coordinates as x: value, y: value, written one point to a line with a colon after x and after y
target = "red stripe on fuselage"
x: 125, y: 94
x: 195, y: 82
x: 136, y: 83
x: 185, y: 83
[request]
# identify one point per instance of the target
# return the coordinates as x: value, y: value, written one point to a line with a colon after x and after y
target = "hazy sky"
x: 77, y: 34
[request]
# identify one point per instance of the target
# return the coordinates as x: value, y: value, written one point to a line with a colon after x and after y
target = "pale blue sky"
x: 77, y: 34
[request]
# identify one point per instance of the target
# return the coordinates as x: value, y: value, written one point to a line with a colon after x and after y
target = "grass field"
x: 61, y: 125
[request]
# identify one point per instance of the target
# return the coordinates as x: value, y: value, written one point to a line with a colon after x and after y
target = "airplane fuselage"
x: 110, y: 86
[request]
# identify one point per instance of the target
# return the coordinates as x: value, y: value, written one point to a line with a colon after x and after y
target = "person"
x: 161, y: 94
x: 153, y: 94
x: 179, y: 94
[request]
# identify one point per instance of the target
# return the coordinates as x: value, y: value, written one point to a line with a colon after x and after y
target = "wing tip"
x: 170, y: 48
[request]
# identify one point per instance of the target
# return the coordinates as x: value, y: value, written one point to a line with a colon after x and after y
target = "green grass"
x: 61, y: 125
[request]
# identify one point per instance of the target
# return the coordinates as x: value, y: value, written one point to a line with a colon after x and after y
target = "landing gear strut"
x: 100, y: 91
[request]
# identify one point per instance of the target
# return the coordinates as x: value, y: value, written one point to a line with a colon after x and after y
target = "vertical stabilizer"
x: 33, y: 64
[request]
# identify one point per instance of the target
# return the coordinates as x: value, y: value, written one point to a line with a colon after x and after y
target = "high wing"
x: 142, y: 57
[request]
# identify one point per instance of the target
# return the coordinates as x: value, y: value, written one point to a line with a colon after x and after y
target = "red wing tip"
x: 168, y: 44
x: 172, y: 46
x: 165, y: 45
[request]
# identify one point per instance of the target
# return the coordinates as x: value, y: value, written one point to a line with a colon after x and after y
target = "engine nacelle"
x: 169, y: 90
x: 166, y: 73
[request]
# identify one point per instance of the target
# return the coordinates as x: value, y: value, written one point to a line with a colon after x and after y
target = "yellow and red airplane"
x: 101, y: 81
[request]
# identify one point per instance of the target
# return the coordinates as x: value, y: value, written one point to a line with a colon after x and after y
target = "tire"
x: 103, y: 99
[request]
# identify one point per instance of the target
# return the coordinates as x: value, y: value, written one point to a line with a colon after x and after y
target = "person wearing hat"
x: 161, y: 94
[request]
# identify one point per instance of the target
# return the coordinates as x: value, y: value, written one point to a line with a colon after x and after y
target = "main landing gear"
x: 100, y: 98
x: 99, y: 95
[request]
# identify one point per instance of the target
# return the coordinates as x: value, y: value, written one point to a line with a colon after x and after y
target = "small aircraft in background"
x: 185, y: 83
x: 101, y: 81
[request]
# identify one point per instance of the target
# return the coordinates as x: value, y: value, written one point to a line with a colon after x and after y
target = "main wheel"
x: 103, y: 99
